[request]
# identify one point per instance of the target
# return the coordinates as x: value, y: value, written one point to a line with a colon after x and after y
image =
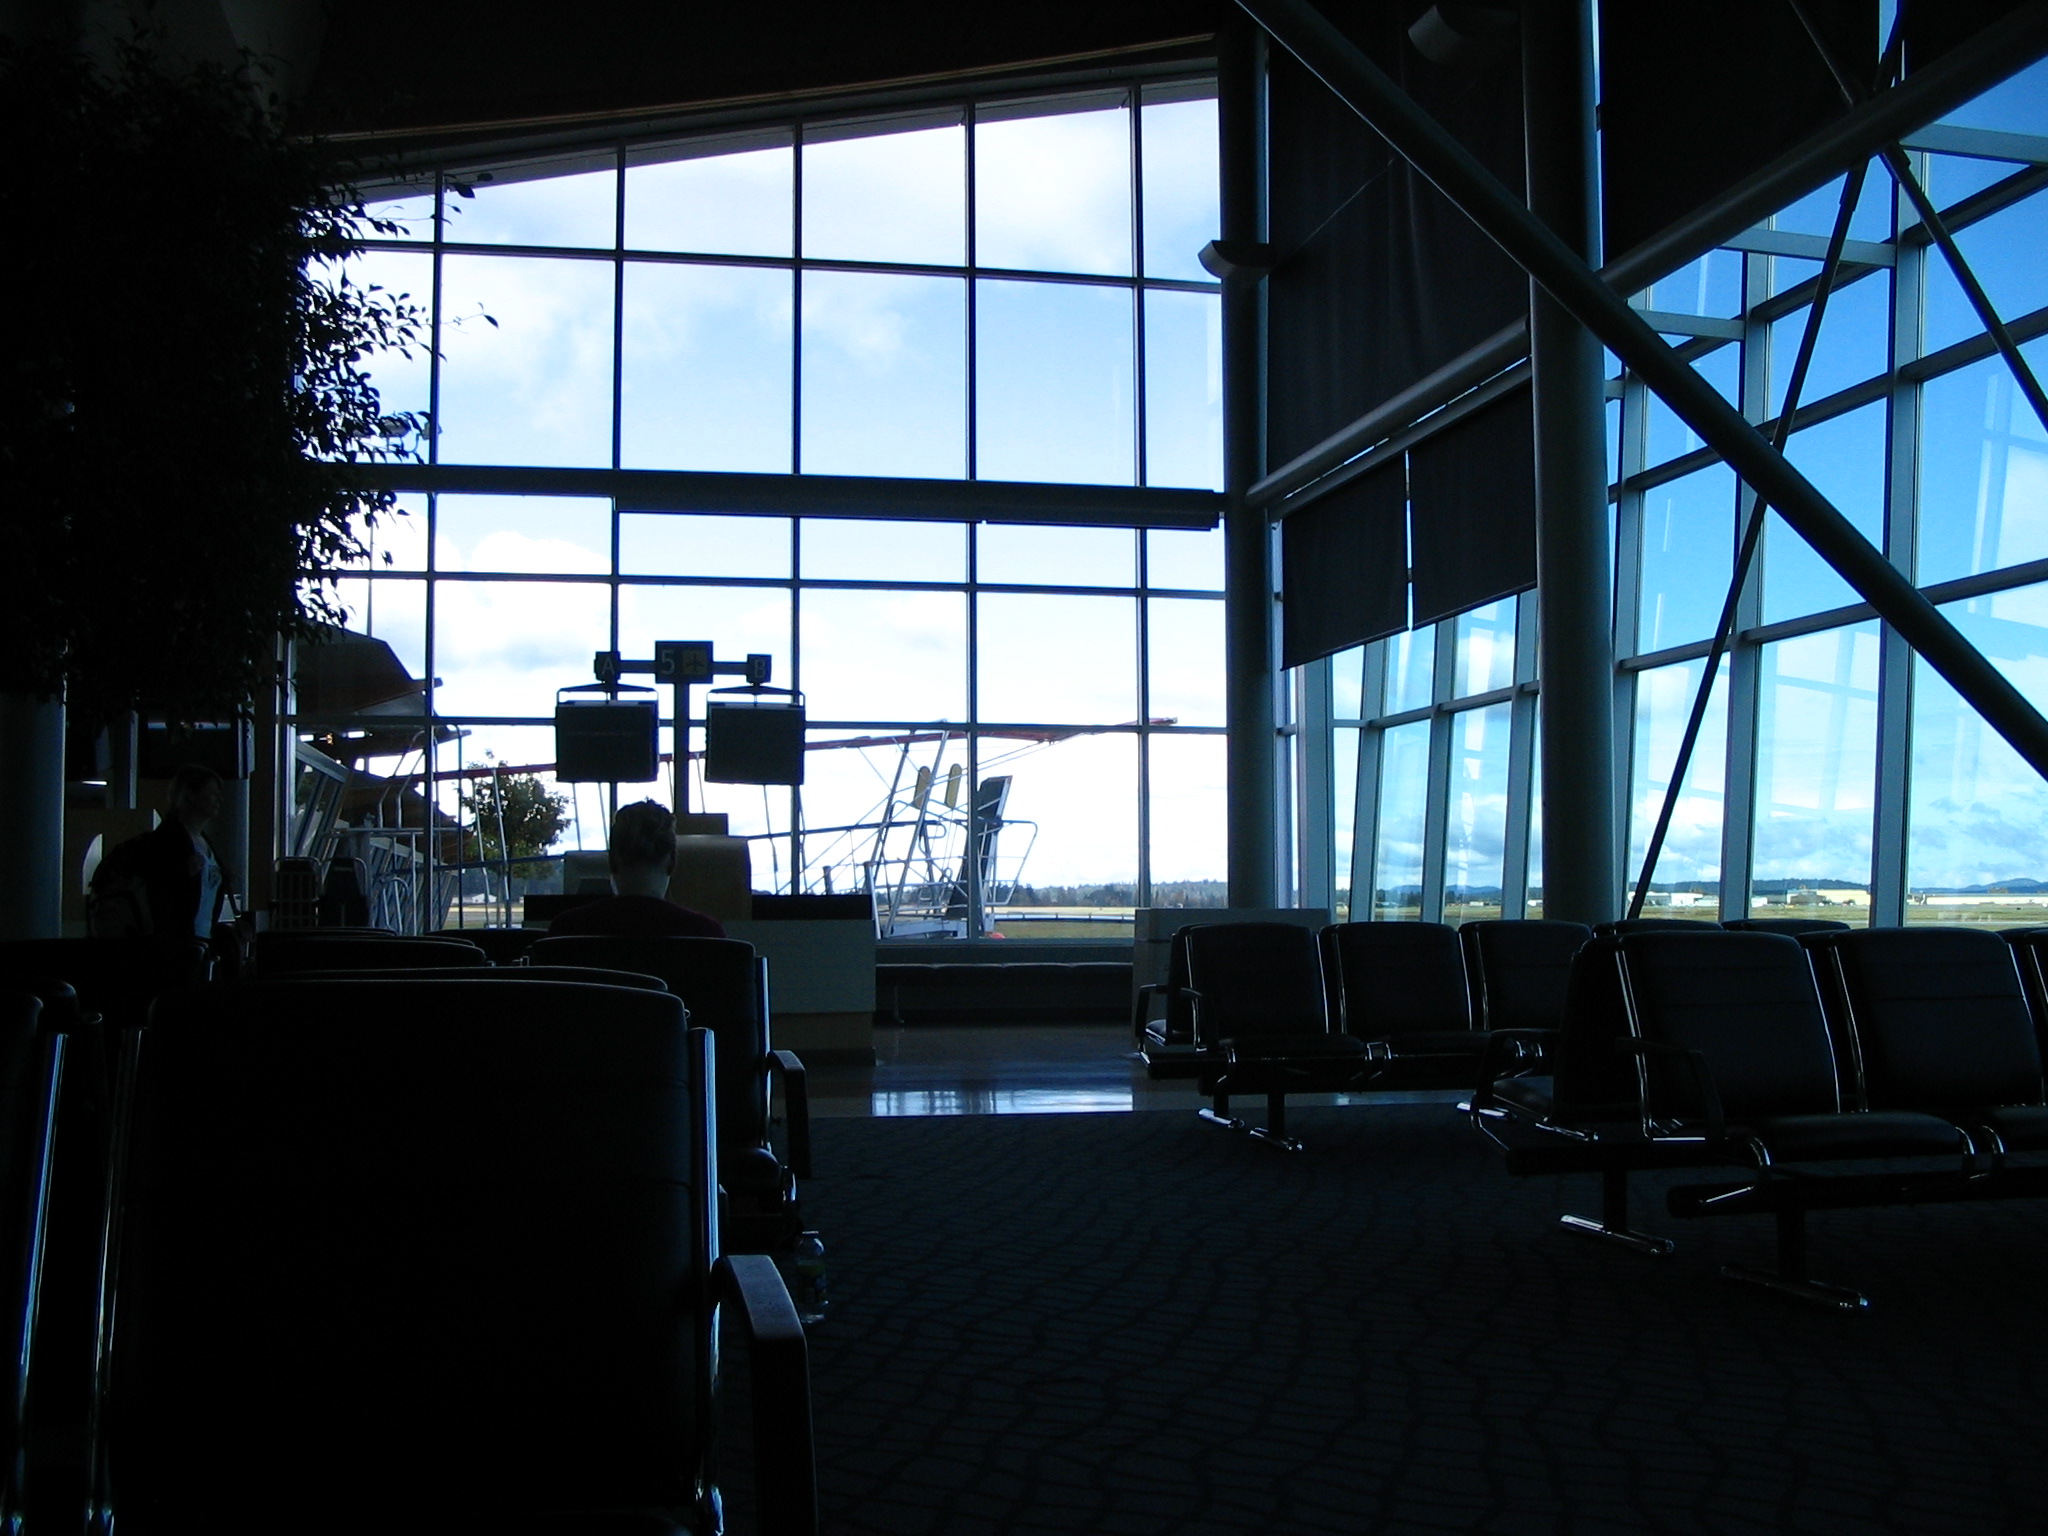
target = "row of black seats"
x: 1274, y: 1008
x: 357, y: 1250
x: 1836, y: 1069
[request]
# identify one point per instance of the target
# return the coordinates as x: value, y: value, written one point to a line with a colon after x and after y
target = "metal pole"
x: 1417, y: 137
x: 1247, y: 559
x: 1575, y: 589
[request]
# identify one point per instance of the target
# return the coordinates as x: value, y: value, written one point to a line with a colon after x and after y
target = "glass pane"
x: 727, y: 196
x: 1347, y: 684
x: 1485, y: 649
x: 1397, y: 854
x: 685, y: 544
x: 482, y: 895
x: 1983, y: 474
x: 1815, y: 213
x: 526, y: 372
x: 554, y: 535
x: 1080, y: 799
x: 1688, y: 557
x: 1690, y: 864
x: 873, y: 193
x: 1979, y: 816
x: 705, y: 367
x: 884, y: 655
x: 884, y: 375
x: 1475, y: 833
x: 1817, y: 770
x: 404, y: 383
x: 535, y: 204
x: 504, y: 647
x: 1181, y: 185
x: 394, y: 612
x: 1053, y: 383
x: 1712, y: 285
x: 1192, y: 561
x: 397, y: 541
x: 1854, y: 342
x: 2015, y: 105
x: 1535, y: 907
x: 1053, y: 193
x: 2004, y: 251
x: 1949, y: 179
x: 1184, y: 390
x: 1669, y: 437
x: 1058, y: 659
x: 1021, y: 554
x: 1186, y: 646
x: 738, y: 621
x: 1844, y: 458
x: 411, y: 211
x: 853, y: 549
x: 1411, y: 669
x: 1188, y: 821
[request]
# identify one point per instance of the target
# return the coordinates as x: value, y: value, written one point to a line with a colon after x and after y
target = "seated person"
x: 168, y: 880
x: 643, y: 856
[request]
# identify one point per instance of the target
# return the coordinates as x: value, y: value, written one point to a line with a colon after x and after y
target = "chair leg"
x: 1613, y: 1223
x: 1273, y: 1132
x: 1790, y: 1278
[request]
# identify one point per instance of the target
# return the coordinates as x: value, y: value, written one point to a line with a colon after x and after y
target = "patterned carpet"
x: 1137, y: 1323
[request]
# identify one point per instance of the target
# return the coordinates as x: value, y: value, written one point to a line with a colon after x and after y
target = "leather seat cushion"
x: 1879, y: 1133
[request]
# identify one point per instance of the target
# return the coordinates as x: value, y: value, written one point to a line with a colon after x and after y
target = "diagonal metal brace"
x: 1334, y: 59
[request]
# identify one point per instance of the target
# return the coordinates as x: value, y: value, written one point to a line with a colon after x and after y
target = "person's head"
x: 195, y: 796
x: 643, y: 849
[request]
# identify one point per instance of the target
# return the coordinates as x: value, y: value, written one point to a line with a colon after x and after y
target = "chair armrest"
x: 1696, y: 1067
x: 779, y: 1374
x: 1141, y: 1005
x: 796, y: 1108
x: 1504, y: 1047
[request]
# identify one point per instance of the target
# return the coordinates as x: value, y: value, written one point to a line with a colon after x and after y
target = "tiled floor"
x: 1013, y: 1069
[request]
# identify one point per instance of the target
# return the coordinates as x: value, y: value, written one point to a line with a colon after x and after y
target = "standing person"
x: 643, y: 857
x: 169, y: 874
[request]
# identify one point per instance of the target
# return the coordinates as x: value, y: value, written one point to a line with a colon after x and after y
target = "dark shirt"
x: 636, y: 917
x: 169, y: 864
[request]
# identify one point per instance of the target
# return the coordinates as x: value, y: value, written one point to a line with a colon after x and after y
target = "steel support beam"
x: 1575, y: 592
x: 1417, y: 137
x: 1249, y: 700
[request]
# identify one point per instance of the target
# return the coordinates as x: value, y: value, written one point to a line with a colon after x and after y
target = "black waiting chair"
x: 507, y: 973
x: 1624, y: 925
x: 1253, y: 996
x: 1401, y: 988
x: 1737, y: 1057
x: 1941, y: 1024
x: 273, y: 954
x: 1518, y: 968
x: 457, y: 1268
x: 723, y: 983
x: 505, y: 946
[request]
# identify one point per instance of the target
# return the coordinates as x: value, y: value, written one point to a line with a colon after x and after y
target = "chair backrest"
x: 1623, y: 925
x: 1939, y: 1016
x: 1592, y: 1081
x: 1395, y: 978
x: 1518, y: 968
x: 1747, y: 1003
x: 719, y: 981
x: 450, y: 1260
x: 1254, y: 979
x: 273, y: 954
x: 508, y: 973
x: 1796, y: 926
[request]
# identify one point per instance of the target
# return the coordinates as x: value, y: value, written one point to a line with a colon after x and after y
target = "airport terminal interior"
x: 1034, y: 480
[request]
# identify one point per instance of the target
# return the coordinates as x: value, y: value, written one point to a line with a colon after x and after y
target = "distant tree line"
x: 1165, y: 893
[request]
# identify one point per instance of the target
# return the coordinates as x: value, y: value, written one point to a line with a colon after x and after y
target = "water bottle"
x: 807, y: 1278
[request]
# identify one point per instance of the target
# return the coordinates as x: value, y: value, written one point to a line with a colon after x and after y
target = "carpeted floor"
x: 1137, y: 1323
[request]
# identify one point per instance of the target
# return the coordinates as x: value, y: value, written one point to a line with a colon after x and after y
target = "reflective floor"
x: 1013, y: 1069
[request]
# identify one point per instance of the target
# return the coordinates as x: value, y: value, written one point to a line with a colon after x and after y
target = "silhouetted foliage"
x: 533, y: 818
x: 184, y: 382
